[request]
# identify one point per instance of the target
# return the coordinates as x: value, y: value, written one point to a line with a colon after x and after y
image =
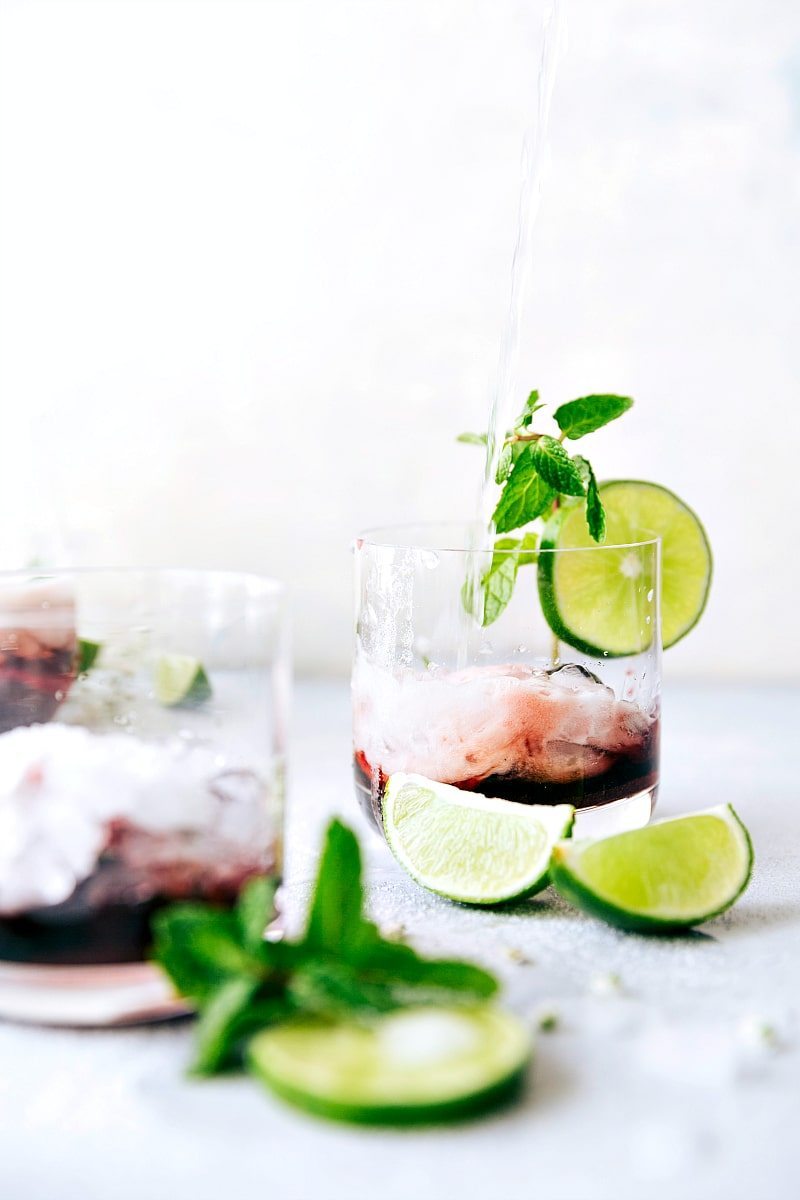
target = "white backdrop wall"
x: 254, y: 265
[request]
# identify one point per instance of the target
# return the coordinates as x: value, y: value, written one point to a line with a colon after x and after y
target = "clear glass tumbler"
x: 530, y: 707
x: 142, y: 730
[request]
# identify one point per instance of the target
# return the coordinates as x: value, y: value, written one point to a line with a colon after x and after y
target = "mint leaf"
x: 179, y: 947
x: 528, y: 550
x: 508, y: 456
x: 219, y: 1029
x: 472, y: 439
x: 399, y: 966
x: 255, y: 909
x: 334, y: 921
x: 579, y: 417
x: 595, y: 513
x: 525, y: 496
x: 226, y: 1023
x: 556, y: 468
x: 498, y: 582
x: 532, y: 406
x: 221, y: 948
x: 504, y: 463
x: 334, y: 989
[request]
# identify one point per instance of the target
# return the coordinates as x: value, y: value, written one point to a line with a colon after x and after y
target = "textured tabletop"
x: 658, y: 1084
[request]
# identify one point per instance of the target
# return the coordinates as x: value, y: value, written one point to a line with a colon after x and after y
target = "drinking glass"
x: 142, y: 730
x: 526, y: 708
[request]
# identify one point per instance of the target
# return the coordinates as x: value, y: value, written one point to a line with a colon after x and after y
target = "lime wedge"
x: 181, y: 679
x: 414, y: 1066
x: 591, y: 601
x: 87, y: 654
x: 667, y: 876
x: 469, y: 847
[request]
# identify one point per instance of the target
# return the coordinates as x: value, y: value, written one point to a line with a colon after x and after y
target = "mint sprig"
x: 340, y: 967
x: 555, y: 466
x: 526, y: 495
x: 499, y: 580
x: 579, y: 417
x: 537, y: 475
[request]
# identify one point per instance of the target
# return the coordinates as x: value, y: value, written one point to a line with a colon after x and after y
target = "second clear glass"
x: 142, y: 733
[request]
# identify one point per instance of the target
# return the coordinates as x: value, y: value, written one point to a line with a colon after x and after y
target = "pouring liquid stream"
x: 506, y: 401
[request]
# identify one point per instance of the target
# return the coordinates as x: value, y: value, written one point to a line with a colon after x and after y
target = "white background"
x: 254, y: 265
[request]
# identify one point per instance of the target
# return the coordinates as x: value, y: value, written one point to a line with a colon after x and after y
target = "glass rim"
x: 268, y: 585
x: 386, y: 537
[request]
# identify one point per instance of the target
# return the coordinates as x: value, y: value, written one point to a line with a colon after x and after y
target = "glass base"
x: 619, y: 816
x: 121, y: 994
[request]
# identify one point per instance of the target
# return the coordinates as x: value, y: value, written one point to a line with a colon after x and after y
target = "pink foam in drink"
x: 508, y: 730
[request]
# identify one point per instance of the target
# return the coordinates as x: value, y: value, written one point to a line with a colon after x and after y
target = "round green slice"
x: 414, y: 1066
x: 181, y: 679
x: 668, y: 876
x: 469, y: 847
x: 595, y: 602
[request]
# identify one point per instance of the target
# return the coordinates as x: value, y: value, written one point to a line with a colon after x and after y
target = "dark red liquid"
x: 117, y: 933
x: 31, y: 689
x: 107, y: 918
x: 631, y: 772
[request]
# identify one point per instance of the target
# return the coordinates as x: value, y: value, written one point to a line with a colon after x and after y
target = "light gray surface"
x: 659, y: 1090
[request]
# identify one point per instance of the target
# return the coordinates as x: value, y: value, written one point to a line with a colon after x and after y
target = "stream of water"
x: 507, y: 399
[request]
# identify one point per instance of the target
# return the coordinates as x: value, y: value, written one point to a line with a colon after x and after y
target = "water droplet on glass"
x: 429, y: 559
x: 647, y: 620
x: 650, y: 595
x: 59, y: 694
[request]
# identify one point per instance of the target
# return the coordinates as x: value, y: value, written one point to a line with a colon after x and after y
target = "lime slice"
x: 469, y: 847
x: 593, y: 601
x: 181, y: 679
x: 414, y: 1066
x: 667, y: 876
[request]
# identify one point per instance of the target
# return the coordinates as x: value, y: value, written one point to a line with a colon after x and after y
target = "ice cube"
x: 499, y: 719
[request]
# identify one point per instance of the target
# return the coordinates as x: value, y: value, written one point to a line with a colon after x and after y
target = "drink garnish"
x: 664, y: 878
x: 541, y: 482
x: 88, y: 652
x: 340, y: 969
x: 469, y: 847
x: 181, y: 679
x: 410, y: 1067
x: 586, y: 598
x: 535, y: 472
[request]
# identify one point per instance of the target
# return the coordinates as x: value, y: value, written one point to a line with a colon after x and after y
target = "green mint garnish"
x: 498, y: 582
x: 579, y: 417
x: 595, y: 513
x: 537, y: 475
x: 525, y: 418
x: 556, y: 467
x: 341, y: 966
x: 472, y: 439
x: 525, y: 496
